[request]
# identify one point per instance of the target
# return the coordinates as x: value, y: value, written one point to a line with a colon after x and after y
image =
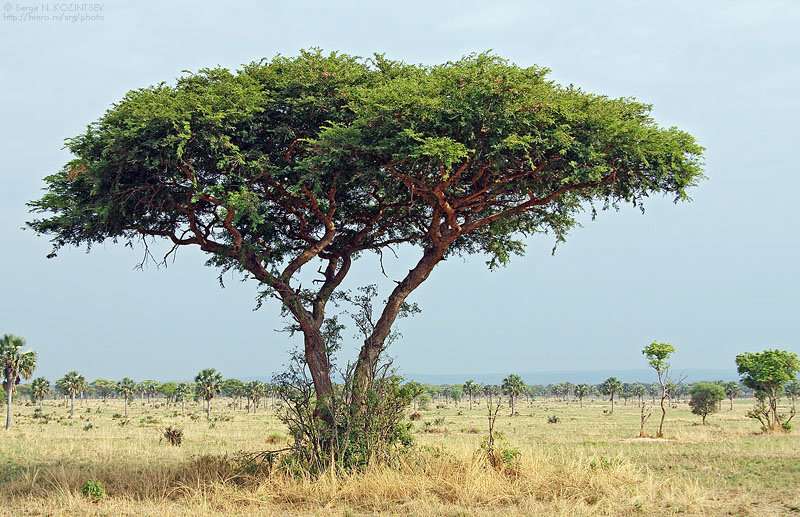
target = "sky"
x: 716, y: 277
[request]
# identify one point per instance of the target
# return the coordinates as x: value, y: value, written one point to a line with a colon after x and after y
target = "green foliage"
x: 705, y: 398
x: 15, y: 364
x: 610, y: 387
x: 126, y: 388
x: 253, y: 165
x: 40, y: 387
x: 657, y: 355
x: 513, y: 386
x: 768, y: 370
x: 93, y: 489
x: 72, y: 383
x: 208, y: 383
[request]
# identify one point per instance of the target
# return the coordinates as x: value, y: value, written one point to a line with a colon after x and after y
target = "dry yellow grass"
x: 588, y: 464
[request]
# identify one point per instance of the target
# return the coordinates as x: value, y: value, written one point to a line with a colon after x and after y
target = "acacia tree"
x: 611, y: 387
x: 15, y: 364
x: 657, y: 355
x: 208, y: 384
x: 40, y: 387
x: 766, y: 373
x: 513, y: 386
x: 639, y: 390
x: 320, y: 159
x: 126, y: 388
x: 72, y: 384
x: 705, y: 398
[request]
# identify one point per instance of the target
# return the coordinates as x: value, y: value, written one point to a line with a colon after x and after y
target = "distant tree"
x: 208, y: 384
x: 234, y: 389
x: 149, y: 389
x: 254, y: 391
x: 732, y: 390
x: 182, y: 392
x: 167, y: 389
x: 792, y: 391
x: 104, y: 387
x: 456, y: 393
x: 639, y: 390
x: 581, y: 391
x: 610, y: 387
x: 40, y: 387
x: 471, y: 388
x: 657, y: 355
x: 705, y: 398
x: 766, y: 373
x: 126, y: 388
x: 15, y: 364
x: 72, y: 384
x: 513, y: 386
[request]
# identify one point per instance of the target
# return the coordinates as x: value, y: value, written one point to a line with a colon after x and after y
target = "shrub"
x: 553, y: 419
x: 173, y: 435
x: 416, y: 415
x: 93, y: 489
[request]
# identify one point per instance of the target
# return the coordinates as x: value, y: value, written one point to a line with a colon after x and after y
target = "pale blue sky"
x: 716, y: 277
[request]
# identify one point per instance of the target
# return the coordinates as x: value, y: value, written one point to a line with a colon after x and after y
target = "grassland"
x: 589, y: 463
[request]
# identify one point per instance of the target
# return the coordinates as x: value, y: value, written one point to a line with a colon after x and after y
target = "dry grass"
x: 585, y: 465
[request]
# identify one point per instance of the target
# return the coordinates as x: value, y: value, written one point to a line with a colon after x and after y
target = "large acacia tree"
x: 318, y: 159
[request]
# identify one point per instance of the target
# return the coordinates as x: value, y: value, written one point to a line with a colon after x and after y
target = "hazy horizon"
x: 716, y: 277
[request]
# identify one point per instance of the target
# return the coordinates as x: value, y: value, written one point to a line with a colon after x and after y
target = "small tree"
x: 182, y: 392
x: 792, y: 391
x: 208, y: 384
x: 581, y: 390
x: 15, y: 364
x: 705, y: 398
x: 72, y: 384
x: 657, y: 355
x: 471, y: 389
x: 40, y: 387
x: 732, y: 390
x: 611, y: 387
x: 513, y: 386
x: 766, y: 373
x: 126, y: 388
x: 639, y: 390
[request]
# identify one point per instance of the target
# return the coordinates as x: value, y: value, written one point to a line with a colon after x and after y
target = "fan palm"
x: 40, y: 387
x: 15, y: 364
x: 72, y: 383
x: 208, y: 383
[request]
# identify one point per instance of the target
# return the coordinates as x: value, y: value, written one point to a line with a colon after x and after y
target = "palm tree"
x: 208, y: 384
x: 126, y: 388
x: 513, y: 386
x: 471, y: 389
x: 611, y: 387
x: 72, y: 383
x: 40, y: 387
x: 15, y: 365
x: 581, y: 390
x: 182, y: 392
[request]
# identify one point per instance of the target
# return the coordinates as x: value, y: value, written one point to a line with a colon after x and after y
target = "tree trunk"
x: 71, y: 405
x: 9, y: 414
x: 374, y: 344
x: 126, y: 407
x: 660, y: 433
x: 208, y: 409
